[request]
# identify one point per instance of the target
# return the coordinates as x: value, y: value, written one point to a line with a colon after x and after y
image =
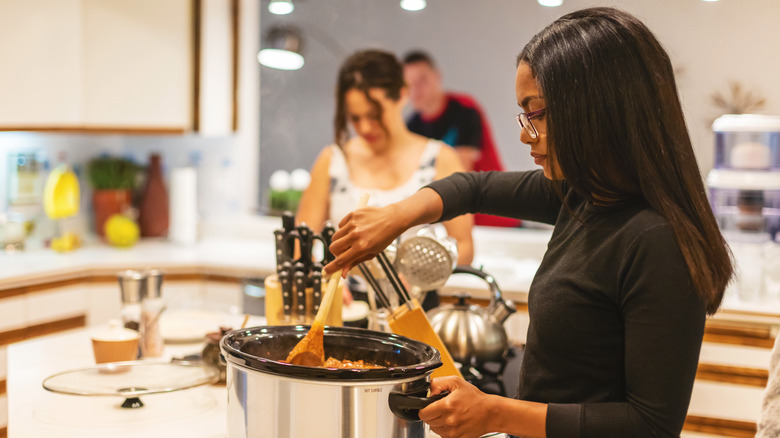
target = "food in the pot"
x: 332, y: 362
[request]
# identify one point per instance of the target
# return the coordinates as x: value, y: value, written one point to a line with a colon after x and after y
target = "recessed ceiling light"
x: 281, y: 7
x: 413, y: 5
x: 550, y: 3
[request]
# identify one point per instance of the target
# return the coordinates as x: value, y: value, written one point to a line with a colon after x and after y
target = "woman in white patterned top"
x: 383, y: 158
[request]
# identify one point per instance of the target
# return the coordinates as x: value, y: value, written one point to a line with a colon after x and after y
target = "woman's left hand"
x: 464, y: 413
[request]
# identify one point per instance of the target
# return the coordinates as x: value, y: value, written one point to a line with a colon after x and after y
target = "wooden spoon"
x: 310, y: 351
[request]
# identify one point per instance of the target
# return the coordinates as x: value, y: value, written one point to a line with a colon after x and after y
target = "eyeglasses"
x: 524, y: 120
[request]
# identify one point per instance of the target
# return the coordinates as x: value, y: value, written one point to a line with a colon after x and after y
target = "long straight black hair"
x: 363, y: 71
x: 615, y: 126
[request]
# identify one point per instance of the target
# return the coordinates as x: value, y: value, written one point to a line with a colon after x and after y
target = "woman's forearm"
x: 423, y: 207
x: 519, y: 417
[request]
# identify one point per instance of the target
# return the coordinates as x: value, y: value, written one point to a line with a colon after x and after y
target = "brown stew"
x: 349, y: 364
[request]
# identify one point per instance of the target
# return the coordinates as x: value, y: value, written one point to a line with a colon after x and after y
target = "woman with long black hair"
x: 635, y: 262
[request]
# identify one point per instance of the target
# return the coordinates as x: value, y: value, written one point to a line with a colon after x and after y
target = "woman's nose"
x: 363, y: 126
x: 525, y: 137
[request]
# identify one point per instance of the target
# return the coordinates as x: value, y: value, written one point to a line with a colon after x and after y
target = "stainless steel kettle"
x: 474, y: 334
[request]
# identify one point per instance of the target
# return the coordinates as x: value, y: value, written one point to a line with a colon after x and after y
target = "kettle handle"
x: 498, y: 306
x: 407, y: 406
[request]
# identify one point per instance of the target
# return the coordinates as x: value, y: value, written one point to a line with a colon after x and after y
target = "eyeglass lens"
x: 525, y: 123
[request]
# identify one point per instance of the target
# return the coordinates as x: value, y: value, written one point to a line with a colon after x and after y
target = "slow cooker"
x: 271, y: 398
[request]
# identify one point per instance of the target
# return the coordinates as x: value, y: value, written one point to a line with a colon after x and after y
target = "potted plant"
x: 113, y: 180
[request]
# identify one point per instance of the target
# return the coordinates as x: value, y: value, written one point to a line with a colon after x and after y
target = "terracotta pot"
x: 106, y: 203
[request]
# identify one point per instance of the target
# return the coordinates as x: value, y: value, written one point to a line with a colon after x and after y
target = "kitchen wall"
x: 215, y: 158
x: 475, y: 44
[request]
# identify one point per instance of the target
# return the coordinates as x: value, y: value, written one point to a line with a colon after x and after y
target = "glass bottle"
x: 153, y: 214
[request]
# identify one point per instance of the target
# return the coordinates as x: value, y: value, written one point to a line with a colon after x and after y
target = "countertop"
x: 244, y: 248
x: 247, y: 250
x: 35, y: 412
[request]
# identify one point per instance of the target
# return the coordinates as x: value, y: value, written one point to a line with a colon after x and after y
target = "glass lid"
x: 132, y: 379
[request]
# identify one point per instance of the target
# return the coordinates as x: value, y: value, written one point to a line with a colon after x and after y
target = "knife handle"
x: 300, y: 289
x: 284, y: 280
x: 288, y: 224
x: 305, y: 242
x: 280, y: 249
x: 327, y: 238
x: 316, y: 277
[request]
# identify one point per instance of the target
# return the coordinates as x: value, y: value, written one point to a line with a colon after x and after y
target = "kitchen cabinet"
x: 126, y: 66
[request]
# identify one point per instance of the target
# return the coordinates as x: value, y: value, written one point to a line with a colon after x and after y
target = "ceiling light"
x: 550, y: 3
x: 282, y: 49
x: 413, y: 5
x: 281, y: 7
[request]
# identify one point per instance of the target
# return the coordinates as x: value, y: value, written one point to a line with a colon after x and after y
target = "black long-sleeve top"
x: 615, y: 324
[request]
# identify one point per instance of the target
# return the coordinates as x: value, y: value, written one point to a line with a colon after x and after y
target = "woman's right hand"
x: 362, y: 234
x: 366, y: 231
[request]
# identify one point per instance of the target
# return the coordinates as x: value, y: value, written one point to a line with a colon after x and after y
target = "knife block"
x: 274, y: 307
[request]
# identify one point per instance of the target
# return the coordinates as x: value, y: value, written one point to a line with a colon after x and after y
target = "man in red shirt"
x: 455, y: 119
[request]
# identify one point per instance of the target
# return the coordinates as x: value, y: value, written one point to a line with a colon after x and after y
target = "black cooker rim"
x: 431, y: 356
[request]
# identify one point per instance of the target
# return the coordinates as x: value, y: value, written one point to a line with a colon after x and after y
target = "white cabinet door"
x: 137, y: 63
x: 40, y: 63
x: 117, y: 65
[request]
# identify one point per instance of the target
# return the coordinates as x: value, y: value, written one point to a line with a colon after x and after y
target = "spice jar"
x: 132, y: 286
x: 152, y: 307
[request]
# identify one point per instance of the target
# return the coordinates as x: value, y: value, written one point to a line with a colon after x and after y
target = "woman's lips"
x: 538, y: 158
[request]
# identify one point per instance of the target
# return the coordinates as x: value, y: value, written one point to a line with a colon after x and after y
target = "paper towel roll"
x: 183, y: 226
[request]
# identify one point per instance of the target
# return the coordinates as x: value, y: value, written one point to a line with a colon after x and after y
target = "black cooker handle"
x: 407, y: 406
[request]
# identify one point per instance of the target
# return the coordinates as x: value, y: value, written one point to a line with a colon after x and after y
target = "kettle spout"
x: 502, y: 309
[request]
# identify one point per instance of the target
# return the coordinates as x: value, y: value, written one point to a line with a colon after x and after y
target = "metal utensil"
x: 426, y: 261
x: 395, y: 282
x: 374, y: 285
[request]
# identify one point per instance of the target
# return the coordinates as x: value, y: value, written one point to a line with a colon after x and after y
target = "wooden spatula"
x: 414, y: 324
x: 310, y: 351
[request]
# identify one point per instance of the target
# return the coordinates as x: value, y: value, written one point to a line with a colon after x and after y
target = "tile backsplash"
x: 216, y: 159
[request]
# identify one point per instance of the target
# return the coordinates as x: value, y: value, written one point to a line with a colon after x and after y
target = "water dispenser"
x: 744, y: 188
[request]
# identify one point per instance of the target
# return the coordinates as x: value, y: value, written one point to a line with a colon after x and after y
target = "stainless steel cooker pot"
x: 270, y: 398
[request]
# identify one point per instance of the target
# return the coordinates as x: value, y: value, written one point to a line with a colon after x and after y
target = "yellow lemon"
x: 121, y: 231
